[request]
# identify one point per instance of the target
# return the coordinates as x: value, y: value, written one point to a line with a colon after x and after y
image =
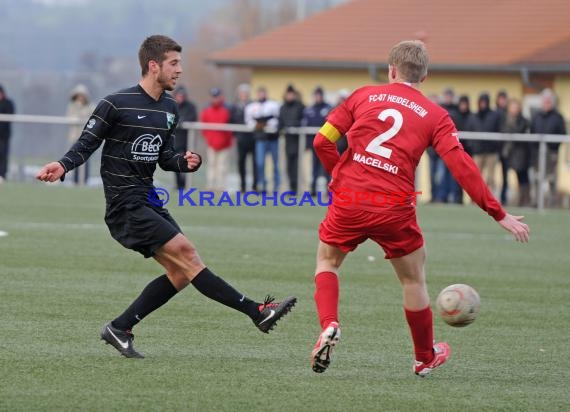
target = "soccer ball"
x: 458, y: 305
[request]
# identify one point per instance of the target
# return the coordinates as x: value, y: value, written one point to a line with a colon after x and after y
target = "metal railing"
x: 194, y: 127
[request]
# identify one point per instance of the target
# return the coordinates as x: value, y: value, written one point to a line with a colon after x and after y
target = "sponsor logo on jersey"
x: 91, y: 123
x: 169, y: 120
x: 146, y: 148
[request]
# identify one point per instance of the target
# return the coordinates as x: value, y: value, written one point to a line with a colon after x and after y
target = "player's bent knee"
x: 178, y: 279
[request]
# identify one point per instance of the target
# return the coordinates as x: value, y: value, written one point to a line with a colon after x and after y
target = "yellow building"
x: 484, y: 45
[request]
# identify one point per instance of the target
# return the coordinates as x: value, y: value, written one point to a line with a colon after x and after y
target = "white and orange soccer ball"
x: 458, y: 305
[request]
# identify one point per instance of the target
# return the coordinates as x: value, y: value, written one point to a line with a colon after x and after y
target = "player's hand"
x: 515, y: 225
x: 194, y: 160
x: 50, y: 172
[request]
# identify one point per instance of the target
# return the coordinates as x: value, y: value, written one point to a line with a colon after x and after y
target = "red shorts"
x: 398, y: 234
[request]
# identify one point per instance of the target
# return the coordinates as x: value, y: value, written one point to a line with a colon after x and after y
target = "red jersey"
x: 388, y: 128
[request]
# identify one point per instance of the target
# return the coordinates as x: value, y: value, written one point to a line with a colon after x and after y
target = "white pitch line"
x: 467, y: 236
x: 3, y: 234
x: 45, y: 225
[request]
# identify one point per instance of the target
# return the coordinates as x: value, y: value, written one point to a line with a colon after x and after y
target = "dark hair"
x: 155, y: 48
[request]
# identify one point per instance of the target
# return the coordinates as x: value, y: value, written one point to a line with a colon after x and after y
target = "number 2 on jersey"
x: 375, y: 146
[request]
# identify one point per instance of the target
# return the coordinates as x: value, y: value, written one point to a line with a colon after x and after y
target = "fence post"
x: 192, y: 148
x: 541, y: 173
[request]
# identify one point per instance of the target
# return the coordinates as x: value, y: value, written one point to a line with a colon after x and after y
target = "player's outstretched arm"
x: 516, y: 226
x: 465, y: 171
x: 51, y: 172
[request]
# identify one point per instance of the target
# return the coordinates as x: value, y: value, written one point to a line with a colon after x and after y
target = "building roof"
x: 473, y: 35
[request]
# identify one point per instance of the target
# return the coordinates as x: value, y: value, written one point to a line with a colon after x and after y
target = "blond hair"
x: 411, y: 59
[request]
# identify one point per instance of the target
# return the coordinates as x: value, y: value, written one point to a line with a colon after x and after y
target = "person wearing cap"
x: 316, y: 116
x: 188, y: 113
x: 218, y: 142
x: 291, y: 115
x: 245, y: 140
x: 80, y: 108
x: 6, y: 107
x: 262, y: 116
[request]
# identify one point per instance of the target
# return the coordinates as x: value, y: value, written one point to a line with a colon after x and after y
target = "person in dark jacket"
x: 315, y: 116
x: 501, y: 102
x: 464, y: 121
x: 548, y: 121
x: 517, y: 154
x: 486, y: 152
x: 188, y: 113
x: 448, y: 189
x: 6, y: 107
x: 291, y: 115
x: 245, y: 140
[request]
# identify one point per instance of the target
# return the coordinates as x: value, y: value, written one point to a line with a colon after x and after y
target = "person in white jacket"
x: 262, y: 116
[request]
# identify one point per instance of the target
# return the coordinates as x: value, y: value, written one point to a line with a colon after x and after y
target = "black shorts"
x: 141, y: 227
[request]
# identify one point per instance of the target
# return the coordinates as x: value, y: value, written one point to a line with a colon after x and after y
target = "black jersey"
x: 138, y: 133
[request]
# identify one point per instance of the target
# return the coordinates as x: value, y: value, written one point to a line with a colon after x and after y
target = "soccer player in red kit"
x: 389, y: 127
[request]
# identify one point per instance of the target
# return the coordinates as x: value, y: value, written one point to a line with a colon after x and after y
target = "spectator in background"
x: 6, y: 107
x: 548, y: 121
x: 464, y: 119
x: 261, y: 115
x: 448, y: 189
x: 79, y: 107
x: 517, y: 154
x: 187, y: 113
x: 315, y: 116
x: 342, y: 142
x: 486, y: 152
x: 464, y: 122
x: 501, y: 103
x: 218, y: 141
x: 501, y: 108
x: 291, y: 115
x: 245, y: 141
x: 435, y: 172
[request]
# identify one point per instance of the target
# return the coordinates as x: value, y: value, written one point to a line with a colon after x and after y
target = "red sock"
x: 421, y: 326
x: 326, y: 297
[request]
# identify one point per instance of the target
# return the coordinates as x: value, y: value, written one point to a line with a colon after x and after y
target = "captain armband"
x: 330, y: 132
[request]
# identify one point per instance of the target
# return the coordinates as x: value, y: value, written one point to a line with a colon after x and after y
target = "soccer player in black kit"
x: 137, y: 128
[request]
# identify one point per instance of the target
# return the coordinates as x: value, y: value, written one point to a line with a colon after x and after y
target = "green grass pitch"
x: 62, y: 277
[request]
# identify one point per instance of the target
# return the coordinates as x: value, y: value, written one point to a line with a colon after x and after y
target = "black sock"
x: 217, y: 289
x: 153, y: 296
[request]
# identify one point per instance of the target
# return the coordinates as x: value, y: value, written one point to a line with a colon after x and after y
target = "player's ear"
x: 153, y: 66
x: 392, y: 73
x: 423, y: 78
